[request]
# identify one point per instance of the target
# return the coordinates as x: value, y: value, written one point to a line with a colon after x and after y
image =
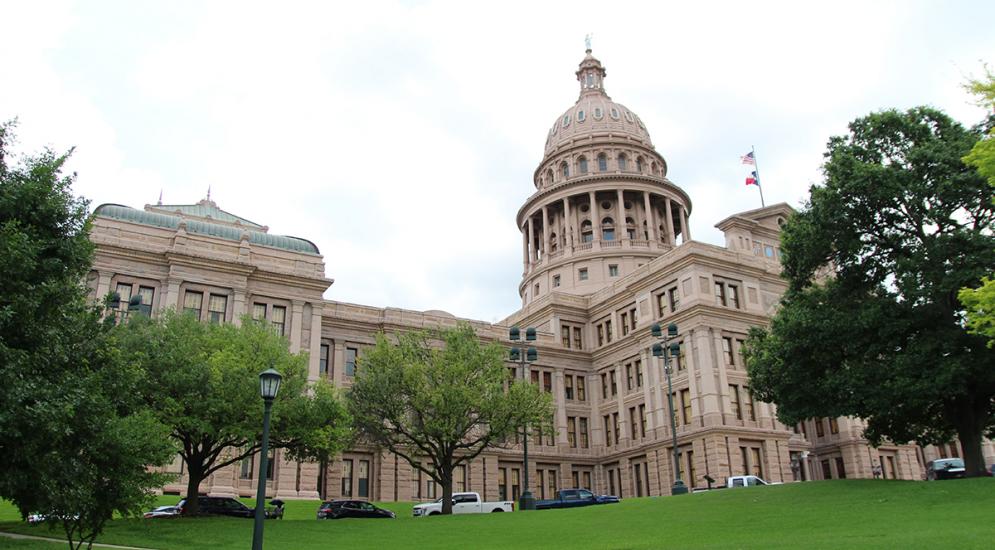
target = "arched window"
x: 607, y: 229
x: 552, y: 242
x: 581, y: 116
x: 598, y: 113
x: 582, y: 164
x: 565, y: 170
x: 602, y: 163
x: 622, y: 162
x: 653, y: 168
x: 630, y: 228
x: 586, y: 231
x: 639, y: 164
x: 549, y: 175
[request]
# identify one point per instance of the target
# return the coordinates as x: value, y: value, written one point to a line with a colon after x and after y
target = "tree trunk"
x: 971, y: 434
x: 446, y: 472
x: 192, y: 507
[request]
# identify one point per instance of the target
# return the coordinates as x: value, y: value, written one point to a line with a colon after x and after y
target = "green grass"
x: 827, y: 514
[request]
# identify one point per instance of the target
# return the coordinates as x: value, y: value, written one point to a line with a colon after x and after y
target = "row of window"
x: 545, y: 480
x: 577, y: 432
x: 326, y: 367
x: 742, y: 402
x: 621, y: 163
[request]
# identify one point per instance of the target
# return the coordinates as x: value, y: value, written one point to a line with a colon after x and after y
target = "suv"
x: 945, y: 468
x: 220, y: 506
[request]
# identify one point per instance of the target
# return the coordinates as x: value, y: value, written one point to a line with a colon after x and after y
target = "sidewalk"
x: 63, y: 541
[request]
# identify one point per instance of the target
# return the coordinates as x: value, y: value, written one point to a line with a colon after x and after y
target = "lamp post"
x: 269, y: 385
x: 524, y: 357
x: 668, y: 351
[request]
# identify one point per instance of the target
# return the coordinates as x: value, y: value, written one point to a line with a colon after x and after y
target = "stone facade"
x: 606, y: 253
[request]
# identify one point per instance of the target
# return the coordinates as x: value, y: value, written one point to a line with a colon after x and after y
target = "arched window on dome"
x: 623, y: 162
x: 630, y: 228
x: 582, y: 165
x: 607, y: 229
x: 586, y: 231
x: 639, y: 164
x: 565, y: 169
x: 653, y: 169
x: 602, y: 163
x: 598, y: 113
x: 590, y: 80
x: 549, y: 176
x: 581, y: 116
x: 552, y: 242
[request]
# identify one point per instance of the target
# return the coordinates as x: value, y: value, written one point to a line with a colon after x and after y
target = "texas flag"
x: 752, y: 179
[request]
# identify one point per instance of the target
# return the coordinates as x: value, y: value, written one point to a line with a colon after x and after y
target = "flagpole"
x: 756, y: 168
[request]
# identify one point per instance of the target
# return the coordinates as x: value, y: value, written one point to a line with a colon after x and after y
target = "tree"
x: 202, y: 381
x: 871, y: 325
x: 447, y: 405
x: 76, y: 443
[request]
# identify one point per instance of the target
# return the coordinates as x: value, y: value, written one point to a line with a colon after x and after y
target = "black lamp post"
x: 527, y: 501
x: 667, y: 352
x: 269, y: 385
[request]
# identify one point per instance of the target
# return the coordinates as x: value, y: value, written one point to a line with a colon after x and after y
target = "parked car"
x: 945, y: 468
x: 163, y: 512
x: 339, y: 509
x: 42, y: 518
x: 744, y: 481
x: 463, y: 503
x: 220, y: 506
x: 572, y: 498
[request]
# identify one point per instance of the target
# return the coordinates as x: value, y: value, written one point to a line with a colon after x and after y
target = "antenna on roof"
x: 208, y: 192
x: 587, y: 41
x: 160, y: 198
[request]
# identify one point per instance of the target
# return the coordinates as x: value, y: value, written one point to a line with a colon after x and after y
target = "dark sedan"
x: 220, y: 506
x: 945, y: 468
x: 339, y: 509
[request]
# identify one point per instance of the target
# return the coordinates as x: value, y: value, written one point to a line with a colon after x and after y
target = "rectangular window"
x: 744, y: 457
x: 611, y: 375
x: 608, y: 331
x: 834, y: 427
x: 686, y: 404
x: 632, y: 319
x: 575, y: 478
x: 604, y: 385
x: 535, y: 377
x: 720, y: 293
x: 757, y: 463
x: 192, y: 302
x: 629, y: 379
x: 681, y: 364
x: 692, y: 473
x: 279, y: 319
x: 639, y: 373
x: 124, y: 292
x: 577, y: 340
x: 581, y: 394
x: 840, y: 469
x: 364, y: 479
x: 734, y: 296
x: 536, y: 293
x: 748, y: 404
x: 601, y: 335
x: 350, y: 361
x: 556, y: 281
x: 216, y: 308
x: 633, y: 423
x: 608, y: 430
x: 820, y: 430
x: 826, y: 473
x: 584, y: 435
x: 568, y: 387
x: 347, y: 477
x: 246, y: 469
x: 565, y: 336
x: 147, y: 293
x: 459, y: 479
x: 572, y: 431
x: 323, y: 360
x: 624, y: 319
x: 616, y: 427
x: 642, y: 420
x: 674, y: 298
x: 516, y: 483
x: 547, y: 382
x: 271, y: 465
x: 727, y: 350
x: 661, y: 304
x: 734, y: 398
x: 502, y: 484
x: 582, y: 274
x: 587, y: 480
x: 612, y: 268
x: 258, y: 311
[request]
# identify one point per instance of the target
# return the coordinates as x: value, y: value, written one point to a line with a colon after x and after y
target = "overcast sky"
x: 401, y: 137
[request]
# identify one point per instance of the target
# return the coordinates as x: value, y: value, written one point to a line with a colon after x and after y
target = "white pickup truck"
x: 463, y: 503
x: 744, y: 481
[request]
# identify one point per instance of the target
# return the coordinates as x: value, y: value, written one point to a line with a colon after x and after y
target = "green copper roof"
x: 206, y: 209
x: 125, y: 213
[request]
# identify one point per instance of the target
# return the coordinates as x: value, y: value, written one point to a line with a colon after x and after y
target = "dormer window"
x: 580, y: 116
x: 614, y: 113
x: 628, y: 116
x: 566, y: 120
x: 598, y: 113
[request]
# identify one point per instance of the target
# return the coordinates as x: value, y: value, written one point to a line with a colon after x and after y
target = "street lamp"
x: 661, y: 350
x: 269, y: 385
x: 527, y: 501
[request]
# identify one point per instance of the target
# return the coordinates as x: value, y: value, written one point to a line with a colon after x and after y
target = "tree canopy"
x: 443, y: 404
x: 76, y: 441
x: 871, y: 325
x: 202, y: 381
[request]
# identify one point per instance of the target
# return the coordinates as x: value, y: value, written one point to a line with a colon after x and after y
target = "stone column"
x: 525, y: 249
x: 285, y: 476
x: 568, y: 227
x: 314, y: 363
x: 338, y: 363
x: 595, y: 218
x: 171, y: 298
x: 297, y: 319
x: 532, y: 244
x: 238, y: 306
x: 648, y: 385
x: 545, y: 232
x: 309, y: 480
x: 561, y: 409
x: 685, y: 232
x: 620, y: 227
x: 650, y: 217
x: 671, y: 237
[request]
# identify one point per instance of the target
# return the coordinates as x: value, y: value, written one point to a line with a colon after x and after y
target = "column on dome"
x: 671, y: 237
x: 685, y: 234
x: 595, y: 219
x: 568, y: 227
x: 532, y: 246
x: 620, y: 225
x: 545, y: 232
x: 650, y: 218
x: 525, y: 249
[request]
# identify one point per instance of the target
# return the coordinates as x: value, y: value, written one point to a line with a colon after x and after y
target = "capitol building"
x: 606, y: 253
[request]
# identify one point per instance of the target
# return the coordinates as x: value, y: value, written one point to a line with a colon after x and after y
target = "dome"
x: 595, y: 112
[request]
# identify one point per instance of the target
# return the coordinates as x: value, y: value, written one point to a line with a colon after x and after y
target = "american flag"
x: 748, y: 159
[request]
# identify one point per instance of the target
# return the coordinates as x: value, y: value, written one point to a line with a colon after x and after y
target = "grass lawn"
x: 825, y: 514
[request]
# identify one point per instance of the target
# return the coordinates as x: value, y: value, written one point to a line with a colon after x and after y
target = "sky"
x: 401, y: 137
